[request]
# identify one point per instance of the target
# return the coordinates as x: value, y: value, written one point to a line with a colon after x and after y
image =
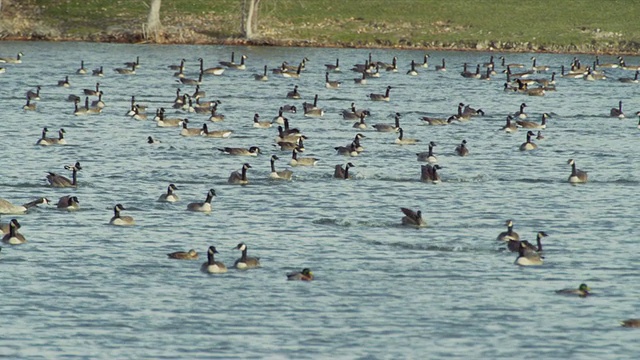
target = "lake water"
x: 81, y: 288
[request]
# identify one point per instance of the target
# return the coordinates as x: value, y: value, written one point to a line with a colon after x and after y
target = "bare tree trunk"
x: 250, y: 17
x: 154, y: 26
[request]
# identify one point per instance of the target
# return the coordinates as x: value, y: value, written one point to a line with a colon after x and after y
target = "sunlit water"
x: 83, y: 289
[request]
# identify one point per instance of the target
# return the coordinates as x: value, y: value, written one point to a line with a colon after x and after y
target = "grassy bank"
x: 560, y: 25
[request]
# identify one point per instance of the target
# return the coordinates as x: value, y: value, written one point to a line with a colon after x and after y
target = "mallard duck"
x: 304, y: 275
x: 211, y: 266
x: 119, y: 220
x: 184, y: 255
x: 169, y: 196
x: 582, y: 291
x: 413, y: 218
x: 203, y: 206
x: 577, y: 176
x: 246, y: 262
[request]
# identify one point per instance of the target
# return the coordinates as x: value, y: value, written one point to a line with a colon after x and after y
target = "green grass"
x: 543, y: 22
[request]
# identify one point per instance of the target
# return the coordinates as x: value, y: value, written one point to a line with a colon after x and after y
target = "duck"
x: 245, y: 262
x: 29, y: 106
x: 462, y: 149
x: 189, y: 132
x: 82, y: 70
x: 509, y: 127
x: 577, y: 176
x: 260, y: 124
x: 333, y: 67
x: 203, y: 206
x: 304, y: 275
x: 215, y: 133
x: 239, y: 177
x: 413, y: 218
x: 389, y: 127
x: 412, y: 71
x: 527, y: 258
x: 68, y: 203
x: 192, y: 254
x: 56, y: 180
x: 294, y: 94
x: 381, y: 97
x: 401, y: 140
x: 342, y: 173
x: 534, y: 125
x: 442, y: 67
x: 279, y: 175
x: 217, y: 70
x: 632, y: 323
x: 119, y: 220
x: 331, y: 84
x: 430, y: 173
x: 263, y: 76
x: 13, y: 237
x: 302, y: 161
x: 169, y: 196
x: 428, y: 155
x: 509, y: 234
x: 7, y: 207
x: 152, y: 141
x: 617, y: 112
x: 211, y: 266
x: 252, y: 151
x: 528, y: 145
x: 581, y: 291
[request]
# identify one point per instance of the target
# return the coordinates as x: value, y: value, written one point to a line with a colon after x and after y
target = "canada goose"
x: 634, y: 323
x: 252, y: 151
x: 8, y: 208
x: 73, y: 98
x: 211, y: 266
x: 152, y: 141
x: 331, y: 84
x: 349, y: 150
x: 215, y: 133
x: 293, y: 74
x: 294, y: 94
x: 240, y: 66
x: 628, y: 67
x: 437, y: 121
x: 98, y: 72
x: 633, y: 80
x: 547, y: 82
x: 304, y: 275
x: 354, y: 114
x: 169, y: 196
x: 527, y: 258
x: 177, y: 67
x: 261, y: 77
x: 180, y: 73
x: 215, y: 116
x: 239, y: 177
x: 164, y: 122
x: 509, y: 234
x: 461, y: 149
x: 34, y: 95
x: 514, y: 65
x: 312, y: 110
x: 211, y: 71
x: 638, y: 115
x: 514, y: 245
x: 16, y: 60
x: 189, y: 132
x: 81, y: 111
x: 90, y: 92
x: 534, y: 125
x: 126, y: 71
x: 56, y: 180
x: 188, y: 81
x: 581, y: 291
x: 381, y: 97
x: 13, y: 237
x: 360, y: 124
x: 29, y: 106
x: 425, y: 61
x: 303, y: 161
x: 203, y: 206
x: 133, y: 64
x: 571, y: 74
x: 245, y: 262
x: 487, y: 75
x: 289, y: 108
x: 288, y: 136
x: 468, y: 113
x: 388, y: 127
x: 82, y: 70
x: 577, y: 176
x: 617, y: 112
x: 332, y: 67
x: 520, y: 113
x: 98, y: 103
x: 279, y: 175
x: 528, y: 145
x: 138, y: 115
x: 471, y: 75
x: 538, y: 68
x: 290, y: 145
x: 260, y: 124
x: 401, y: 140
x: 52, y: 141
x: 356, y: 142
x: 413, y: 71
x: 428, y: 155
x: 361, y: 80
x: 68, y: 203
x: 198, y: 93
x: 184, y: 255
x: 442, y: 67
x: 429, y: 173
x: 539, y: 136
x: 119, y: 220
x: 607, y: 65
x: 393, y: 67
x: 413, y: 218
